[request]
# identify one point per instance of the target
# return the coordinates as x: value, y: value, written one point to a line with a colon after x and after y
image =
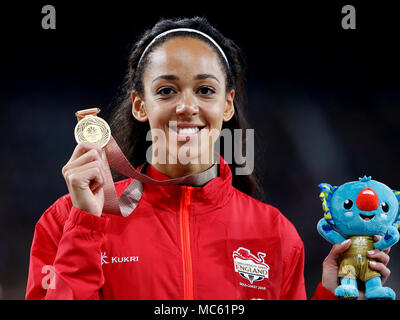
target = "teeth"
x: 188, y: 130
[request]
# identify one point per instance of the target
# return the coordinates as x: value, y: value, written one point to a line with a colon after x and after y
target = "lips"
x: 366, y: 218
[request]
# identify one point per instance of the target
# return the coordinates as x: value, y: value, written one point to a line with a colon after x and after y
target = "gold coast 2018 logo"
x: 249, y: 266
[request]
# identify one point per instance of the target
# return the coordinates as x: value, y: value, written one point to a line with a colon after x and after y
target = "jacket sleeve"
x: 65, y: 259
x: 293, y: 286
x: 321, y: 293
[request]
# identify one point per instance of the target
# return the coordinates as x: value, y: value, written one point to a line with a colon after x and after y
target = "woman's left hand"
x: 331, y: 264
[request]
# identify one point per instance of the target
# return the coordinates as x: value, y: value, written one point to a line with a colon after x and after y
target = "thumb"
x: 331, y: 264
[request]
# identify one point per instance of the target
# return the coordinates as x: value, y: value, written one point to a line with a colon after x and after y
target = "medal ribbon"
x: 113, y: 156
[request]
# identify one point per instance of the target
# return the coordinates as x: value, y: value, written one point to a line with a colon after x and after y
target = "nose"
x: 367, y: 200
x: 187, y: 106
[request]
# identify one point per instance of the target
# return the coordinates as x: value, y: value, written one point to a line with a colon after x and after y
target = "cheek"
x: 345, y: 216
x: 216, y: 124
x: 348, y: 214
x: 159, y: 116
x: 214, y: 116
x: 214, y: 128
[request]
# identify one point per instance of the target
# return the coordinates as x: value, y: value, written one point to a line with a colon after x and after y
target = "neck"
x: 180, y: 170
x: 172, y: 167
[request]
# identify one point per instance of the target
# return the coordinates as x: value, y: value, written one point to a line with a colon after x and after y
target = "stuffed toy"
x: 358, y: 210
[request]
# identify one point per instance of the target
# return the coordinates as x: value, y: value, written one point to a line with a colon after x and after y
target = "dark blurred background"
x: 324, y: 103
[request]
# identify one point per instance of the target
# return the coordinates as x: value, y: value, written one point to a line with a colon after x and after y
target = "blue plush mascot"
x: 358, y: 210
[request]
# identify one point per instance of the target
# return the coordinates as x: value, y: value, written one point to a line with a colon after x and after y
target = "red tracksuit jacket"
x: 181, y: 242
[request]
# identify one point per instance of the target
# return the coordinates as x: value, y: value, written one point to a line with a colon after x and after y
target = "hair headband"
x: 185, y: 30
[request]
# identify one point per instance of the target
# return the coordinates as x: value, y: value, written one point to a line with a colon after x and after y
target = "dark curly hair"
x: 130, y: 134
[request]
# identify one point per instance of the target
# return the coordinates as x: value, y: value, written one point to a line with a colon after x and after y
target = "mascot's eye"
x: 348, y: 204
x: 385, y: 207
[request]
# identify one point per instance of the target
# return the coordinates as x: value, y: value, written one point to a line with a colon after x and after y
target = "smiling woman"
x: 221, y: 78
x: 205, y: 239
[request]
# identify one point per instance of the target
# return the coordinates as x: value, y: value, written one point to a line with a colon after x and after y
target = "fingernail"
x: 371, y: 251
x: 346, y: 241
x: 372, y: 263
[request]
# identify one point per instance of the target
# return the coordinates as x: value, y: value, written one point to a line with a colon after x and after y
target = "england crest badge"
x: 249, y: 266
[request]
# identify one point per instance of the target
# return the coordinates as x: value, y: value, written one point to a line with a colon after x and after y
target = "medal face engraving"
x: 94, y: 130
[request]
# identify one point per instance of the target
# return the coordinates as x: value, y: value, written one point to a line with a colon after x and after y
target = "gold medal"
x: 92, y: 128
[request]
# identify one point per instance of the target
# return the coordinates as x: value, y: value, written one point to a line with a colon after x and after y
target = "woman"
x: 207, y: 240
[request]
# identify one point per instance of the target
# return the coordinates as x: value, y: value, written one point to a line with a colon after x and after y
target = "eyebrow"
x: 201, y: 76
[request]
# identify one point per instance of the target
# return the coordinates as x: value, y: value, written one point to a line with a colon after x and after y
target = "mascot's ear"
x: 325, y: 196
x: 397, y: 221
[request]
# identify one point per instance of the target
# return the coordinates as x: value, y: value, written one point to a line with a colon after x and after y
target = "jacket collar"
x: 194, y: 180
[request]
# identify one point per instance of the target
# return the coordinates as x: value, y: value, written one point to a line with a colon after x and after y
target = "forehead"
x: 184, y: 55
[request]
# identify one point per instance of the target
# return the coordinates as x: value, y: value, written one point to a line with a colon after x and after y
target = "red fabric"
x: 175, y: 245
x: 323, y: 294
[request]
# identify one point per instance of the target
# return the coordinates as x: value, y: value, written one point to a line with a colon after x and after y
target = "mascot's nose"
x: 367, y: 200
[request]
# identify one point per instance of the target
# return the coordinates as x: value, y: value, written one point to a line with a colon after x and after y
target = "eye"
x: 165, y: 91
x: 348, y: 204
x: 206, y: 91
x: 385, y: 207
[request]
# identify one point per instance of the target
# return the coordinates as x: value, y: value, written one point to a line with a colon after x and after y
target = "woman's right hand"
x: 84, y: 174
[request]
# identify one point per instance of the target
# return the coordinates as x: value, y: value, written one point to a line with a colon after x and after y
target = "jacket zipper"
x: 185, y: 243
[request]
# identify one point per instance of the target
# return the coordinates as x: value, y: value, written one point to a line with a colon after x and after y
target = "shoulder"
x: 269, y: 216
x: 55, y: 216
